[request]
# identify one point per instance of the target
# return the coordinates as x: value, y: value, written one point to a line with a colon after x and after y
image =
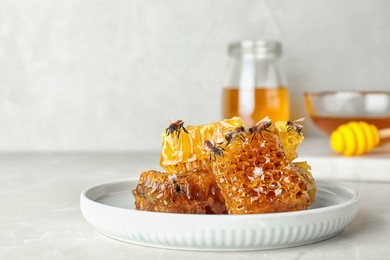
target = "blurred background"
x: 111, y: 75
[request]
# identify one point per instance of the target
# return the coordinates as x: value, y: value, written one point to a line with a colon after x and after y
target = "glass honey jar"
x: 255, y: 84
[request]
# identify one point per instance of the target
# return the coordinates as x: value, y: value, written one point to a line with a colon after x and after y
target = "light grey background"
x: 110, y: 75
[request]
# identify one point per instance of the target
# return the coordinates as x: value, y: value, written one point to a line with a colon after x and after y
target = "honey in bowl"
x: 330, y: 123
x: 330, y: 109
x: 252, y: 105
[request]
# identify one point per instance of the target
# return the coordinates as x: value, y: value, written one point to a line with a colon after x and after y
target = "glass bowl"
x: 329, y: 109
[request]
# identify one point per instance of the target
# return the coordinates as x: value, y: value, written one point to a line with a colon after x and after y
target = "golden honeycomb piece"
x: 255, y: 176
x: 185, y: 152
x: 304, y: 170
x: 290, y: 139
x: 194, y: 192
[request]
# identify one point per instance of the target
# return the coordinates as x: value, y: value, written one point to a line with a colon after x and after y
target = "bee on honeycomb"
x: 187, y: 152
x: 256, y: 177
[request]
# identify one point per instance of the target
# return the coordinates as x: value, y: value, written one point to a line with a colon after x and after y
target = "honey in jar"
x: 272, y: 102
x: 255, y: 87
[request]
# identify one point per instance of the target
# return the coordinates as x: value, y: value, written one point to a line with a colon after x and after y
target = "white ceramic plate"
x: 109, y: 207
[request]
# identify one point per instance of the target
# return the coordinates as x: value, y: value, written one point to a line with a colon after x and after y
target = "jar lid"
x: 259, y: 47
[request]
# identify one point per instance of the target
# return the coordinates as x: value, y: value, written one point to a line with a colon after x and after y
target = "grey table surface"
x: 40, y: 215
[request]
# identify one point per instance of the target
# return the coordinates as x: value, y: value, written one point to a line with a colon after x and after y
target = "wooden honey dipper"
x: 357, y: 138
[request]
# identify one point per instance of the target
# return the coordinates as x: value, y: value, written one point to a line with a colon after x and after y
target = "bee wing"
x: 265, y: 119
x: 300, y: 120
x: 175, y: 120
x: 171, y: 121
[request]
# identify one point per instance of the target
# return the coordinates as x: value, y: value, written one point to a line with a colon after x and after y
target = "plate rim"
x: 355, y: 198
x: 268, y: 230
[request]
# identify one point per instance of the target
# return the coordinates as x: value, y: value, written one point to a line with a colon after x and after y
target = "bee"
x: 215, y: 150
x: 260, y: 126
x: 176, y: 127
x: 293, y: 125
x: 238, y: 132
x: 176, y: 185
x: 177, y: 188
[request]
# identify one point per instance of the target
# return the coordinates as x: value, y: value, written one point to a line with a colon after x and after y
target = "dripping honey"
x: 259, y: 103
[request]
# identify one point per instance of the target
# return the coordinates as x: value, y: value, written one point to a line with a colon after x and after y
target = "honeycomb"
x: 194, y: 192
x: 257, y: 177
x: 186, y: 152
x: 304, y: 171
x: 290, y: 139
x: 225, y: 168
